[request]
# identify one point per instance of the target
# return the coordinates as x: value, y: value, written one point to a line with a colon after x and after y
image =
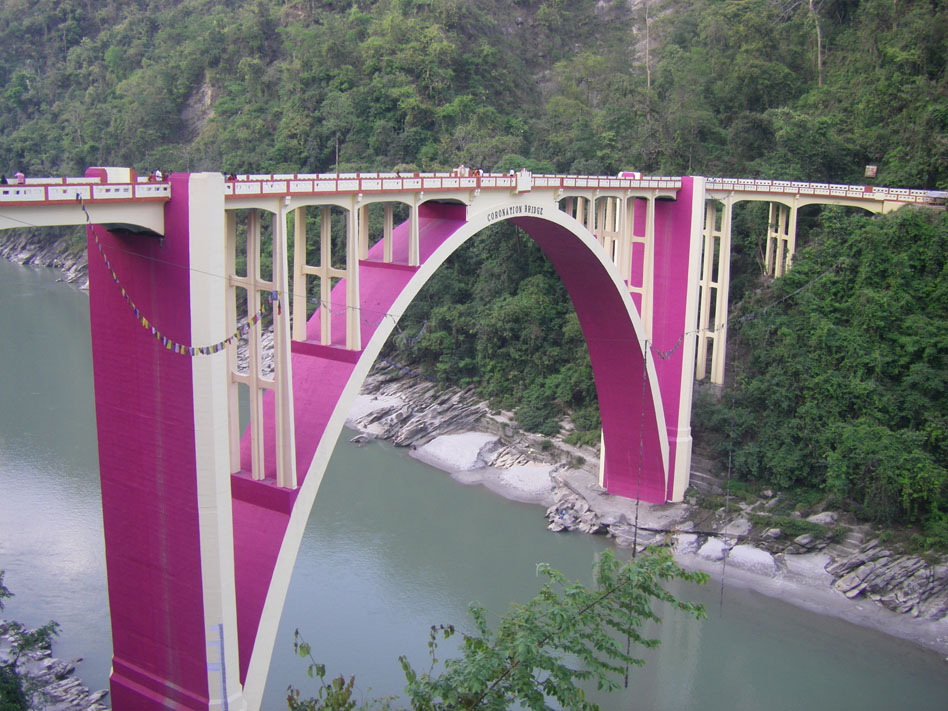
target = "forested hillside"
x: 723, y: 86
x: 771, y: 88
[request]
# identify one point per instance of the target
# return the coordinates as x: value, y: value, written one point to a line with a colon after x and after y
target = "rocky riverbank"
x: 57, y: 253
x: 817, y: 560
x: 48, y: 681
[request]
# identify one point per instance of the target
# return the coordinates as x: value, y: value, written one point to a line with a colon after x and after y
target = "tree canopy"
x: 568, y: 639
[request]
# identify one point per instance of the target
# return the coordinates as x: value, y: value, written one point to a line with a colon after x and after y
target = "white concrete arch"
x: 488, y: 214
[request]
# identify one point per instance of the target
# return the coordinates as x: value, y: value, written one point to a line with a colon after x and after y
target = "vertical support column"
x: 771, y: 240
x: 791, y: 234
x: 282, y: 368
x: 715, y: 283
x: 602, y: 223
x: 782, y: 230
x: 387, y: 234
x: 211, y: 432
x: 580, y: 204
x: 325, y: 280
x: 648, y: 267
x: 163, y: 413
x: 608, y: 229
x: 255, y: 284
x: 353, y: 312
x: 363, y: 231
x: 719, y: 352
x: 414, y: 248
x: 709, y: 233
x: 299, y: 274
x: 253, y: 347
x: 779, y: 233
x: 682, y: 435
x: 624, y: 251
x: 233, y: 400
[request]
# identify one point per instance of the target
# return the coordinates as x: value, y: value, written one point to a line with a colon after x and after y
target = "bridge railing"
x: 60, y: 190
x: 859, y: 192
x: 250, y: 185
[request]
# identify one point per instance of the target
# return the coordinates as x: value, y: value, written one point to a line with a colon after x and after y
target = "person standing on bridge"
x: 20, y: 178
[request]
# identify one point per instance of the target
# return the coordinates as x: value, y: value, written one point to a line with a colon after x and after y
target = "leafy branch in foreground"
x: 567, y: 638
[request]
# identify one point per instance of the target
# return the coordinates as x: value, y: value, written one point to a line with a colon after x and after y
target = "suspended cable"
x: 171, y: 344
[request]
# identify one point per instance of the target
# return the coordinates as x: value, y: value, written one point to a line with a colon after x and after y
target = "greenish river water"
x: 392, y: 547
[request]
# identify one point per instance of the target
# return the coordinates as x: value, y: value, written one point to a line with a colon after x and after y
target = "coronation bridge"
x: 202, y: 520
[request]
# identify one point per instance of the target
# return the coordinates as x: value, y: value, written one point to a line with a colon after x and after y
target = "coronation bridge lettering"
x: 514, y: 211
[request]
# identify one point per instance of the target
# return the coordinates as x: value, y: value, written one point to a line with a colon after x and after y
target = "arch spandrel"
x: 327, y: 381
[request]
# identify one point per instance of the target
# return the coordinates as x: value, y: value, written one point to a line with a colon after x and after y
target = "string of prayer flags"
x: 271, y: 302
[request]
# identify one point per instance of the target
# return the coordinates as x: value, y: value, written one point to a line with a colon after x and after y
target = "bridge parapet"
x: 769, y: 188
x: 60, y: 190
x: 252, y: 185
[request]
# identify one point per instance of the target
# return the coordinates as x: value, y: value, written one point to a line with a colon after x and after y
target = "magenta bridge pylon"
x: 202, y: 520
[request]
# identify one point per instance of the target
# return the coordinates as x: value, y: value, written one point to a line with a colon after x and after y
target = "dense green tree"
x: 843, y: 371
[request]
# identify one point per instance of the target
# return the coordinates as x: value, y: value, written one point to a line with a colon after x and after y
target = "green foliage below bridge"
x: 839, y: 379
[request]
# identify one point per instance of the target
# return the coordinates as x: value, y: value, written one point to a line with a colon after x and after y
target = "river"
x: 392, y: 547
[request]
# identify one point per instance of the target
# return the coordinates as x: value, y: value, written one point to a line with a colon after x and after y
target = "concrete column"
x: 780, y: 233
x: 325, y: 282
x: 648, y: 267
x: 212, y: 436
x: 282, y: 364
x: 771, y: 238
x: 387, y: 234
x: 719, y: 354
x: 363, y: 231
x: 299, y: 274
x: 624, y: 251
x: 164, y: 415
x: 253, y: 347
x: 353, y: 312
x: 414, y: 248
x: 233, y: 398
x: 791, y: 233
x: 682, y: 470
x: 707, y: 266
